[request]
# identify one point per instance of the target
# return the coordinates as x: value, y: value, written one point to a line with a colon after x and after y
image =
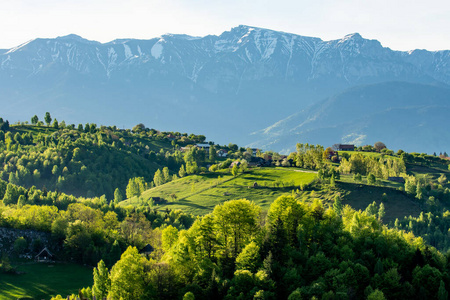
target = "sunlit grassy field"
x: 44, y: 280
x: 198, y: 194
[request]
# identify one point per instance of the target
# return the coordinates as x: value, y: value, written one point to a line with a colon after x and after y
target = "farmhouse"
x: 345, y: 147
x: 203, y: 146
x: 222, y: 153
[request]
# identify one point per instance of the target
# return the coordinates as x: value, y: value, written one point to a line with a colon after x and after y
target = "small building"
x: 148, y: 249
x: 171, y: 137
x: 203, y: 146
x: 397, y: 179
x: 222, y: 153
x: 44, y: 255
x: 345, y: 147
x: 157, y: 200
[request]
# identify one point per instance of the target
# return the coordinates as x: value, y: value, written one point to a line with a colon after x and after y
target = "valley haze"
x: 251, y: 86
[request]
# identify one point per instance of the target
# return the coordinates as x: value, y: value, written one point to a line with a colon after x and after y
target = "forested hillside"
x: 316, y: 224
x: 86, y: 160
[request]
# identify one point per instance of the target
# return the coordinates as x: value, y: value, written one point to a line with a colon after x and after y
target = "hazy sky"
x: 398, y: 24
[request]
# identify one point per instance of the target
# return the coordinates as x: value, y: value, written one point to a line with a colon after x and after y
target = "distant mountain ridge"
x: 398, y: 113
x: 224, y: 86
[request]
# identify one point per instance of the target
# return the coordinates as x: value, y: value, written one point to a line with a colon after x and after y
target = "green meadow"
x: 198, y: 194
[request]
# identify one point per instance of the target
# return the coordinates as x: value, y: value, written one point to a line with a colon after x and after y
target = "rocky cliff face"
x: 247, y: 78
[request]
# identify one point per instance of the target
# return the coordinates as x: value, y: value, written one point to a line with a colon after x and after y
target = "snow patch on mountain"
x: 157, y: 49
x: 128, y: 52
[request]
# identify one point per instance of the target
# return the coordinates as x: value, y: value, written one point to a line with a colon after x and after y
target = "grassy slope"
x: 198, y: 194
x: 42, y: 281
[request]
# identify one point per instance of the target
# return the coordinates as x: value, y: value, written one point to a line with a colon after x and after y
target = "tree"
x: 21, y: 201
x: 20, y: 244
x: 158, y: 179
x: 235, y: 170
x: 127, y: 276
x: 189, y: 296
x: 212, y: 154
x: 442, y: 179
x: 249, y: 258
x: 381, y: 212
x: 237, y: 221
x: 55, y: 124
x: 169, y: 236
x: 182, y: 171
x: 442, y: 292
x: 371, y: 179
x: 101, y: 281
x: 376, y: 295
x: 34, y: 120
x: 166, y: 174
x: 337, y: 205
x: 117, y: 196
x: 138, y: 128
x: 379, y: 146
x: 47, y: 118
x: 135, y: 187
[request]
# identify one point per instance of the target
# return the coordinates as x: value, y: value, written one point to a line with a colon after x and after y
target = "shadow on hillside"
x: 186, y: 203
x: 398, y: 204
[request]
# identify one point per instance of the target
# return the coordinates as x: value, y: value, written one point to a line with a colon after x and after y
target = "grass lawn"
x: 44, y: 280
x: 199, y: 194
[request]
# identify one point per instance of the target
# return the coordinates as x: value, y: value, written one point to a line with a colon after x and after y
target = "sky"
x: 397, y: 24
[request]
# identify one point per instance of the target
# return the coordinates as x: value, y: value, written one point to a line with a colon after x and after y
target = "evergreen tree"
x: 117, y: 196
x: 21, y: 201
x: 34, y: 120
x: 381, y: 212
x: 337, y: 205
x: 101, y: 281
x: 442, y: 292
x: 212, y: 154
x: 47, y: 118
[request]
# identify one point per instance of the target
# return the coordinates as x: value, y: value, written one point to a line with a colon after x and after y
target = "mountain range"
x: 249, y: 85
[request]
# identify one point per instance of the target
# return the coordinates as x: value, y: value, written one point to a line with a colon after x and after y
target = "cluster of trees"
x: 4, y: 125
x: 434, y: 228
x: 85, y: 230
x: 308, y: 156
x: 300, y: 251
x: 380, y: 167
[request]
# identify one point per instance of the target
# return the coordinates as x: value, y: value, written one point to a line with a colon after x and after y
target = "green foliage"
x: 117, y: 196
x: 127, y: 276
x: 168, y: 237
x: 20, y: 245
x: 337, y: 205
x: 442, y: 293
x: 158, y: 180
x: 136, y: 186
x: 47, y: 118
x: 376, y: 295
x: 101, y: 281
x: 371, y: 179
x: 189, y: 296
